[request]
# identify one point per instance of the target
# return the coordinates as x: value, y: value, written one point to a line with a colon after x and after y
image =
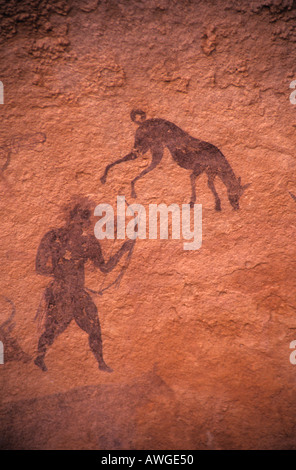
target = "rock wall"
x: 198, y: 341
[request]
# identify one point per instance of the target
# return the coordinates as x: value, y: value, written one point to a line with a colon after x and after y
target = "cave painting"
x: 62, y: 255
x: 190, y: 153
x: 13, y: 145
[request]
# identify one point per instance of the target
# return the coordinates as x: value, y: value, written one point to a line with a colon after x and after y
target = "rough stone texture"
x: 199, y: 341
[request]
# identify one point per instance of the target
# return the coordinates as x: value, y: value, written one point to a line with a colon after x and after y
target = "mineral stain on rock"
x: 18, y: 142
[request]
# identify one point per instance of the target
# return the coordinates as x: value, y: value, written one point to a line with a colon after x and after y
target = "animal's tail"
x: 138, y: 112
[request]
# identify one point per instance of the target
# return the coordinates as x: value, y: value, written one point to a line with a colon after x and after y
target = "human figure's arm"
x: 96, y: 256
x: 43, y: 261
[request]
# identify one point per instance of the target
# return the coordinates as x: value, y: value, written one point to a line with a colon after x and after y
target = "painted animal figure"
x: 188, y: 152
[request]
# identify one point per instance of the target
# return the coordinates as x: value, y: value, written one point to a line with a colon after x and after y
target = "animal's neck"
x: 229, y: 179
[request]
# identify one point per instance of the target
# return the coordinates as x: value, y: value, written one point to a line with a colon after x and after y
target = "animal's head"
x: 138, y: 116
x: 234, y: 194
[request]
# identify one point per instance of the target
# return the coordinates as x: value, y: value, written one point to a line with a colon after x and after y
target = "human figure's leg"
x: 56, y: 321
x: 86, y: 317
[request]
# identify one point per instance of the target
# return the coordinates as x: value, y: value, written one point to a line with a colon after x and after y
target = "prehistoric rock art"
x: 62, y: 255
x: 200, y: 340
x: 20, y: 141
x: 188, y: 152
x: 12, y: 349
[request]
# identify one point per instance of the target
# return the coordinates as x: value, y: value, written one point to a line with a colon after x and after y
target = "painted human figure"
x: 62, y: 255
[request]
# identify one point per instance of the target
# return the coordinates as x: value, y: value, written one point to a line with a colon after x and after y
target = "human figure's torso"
x: 67, y: 255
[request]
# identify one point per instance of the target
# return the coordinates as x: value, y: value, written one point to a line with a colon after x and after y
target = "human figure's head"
x: 80, y: 211
x: 138, y: 116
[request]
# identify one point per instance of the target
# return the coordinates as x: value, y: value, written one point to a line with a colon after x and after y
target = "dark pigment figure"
x: 12, y: 349
x: 14, y: 145
x: 192, y: 154
x: 62, y: 255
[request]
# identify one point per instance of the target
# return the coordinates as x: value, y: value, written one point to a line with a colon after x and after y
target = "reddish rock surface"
x: 198, y: 340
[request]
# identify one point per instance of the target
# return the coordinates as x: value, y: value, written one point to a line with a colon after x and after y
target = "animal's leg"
x: 213, y: 189
x: 86, y: 317
x: 131, y: 156
x: 157, y: 154
x: 193, y: 177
